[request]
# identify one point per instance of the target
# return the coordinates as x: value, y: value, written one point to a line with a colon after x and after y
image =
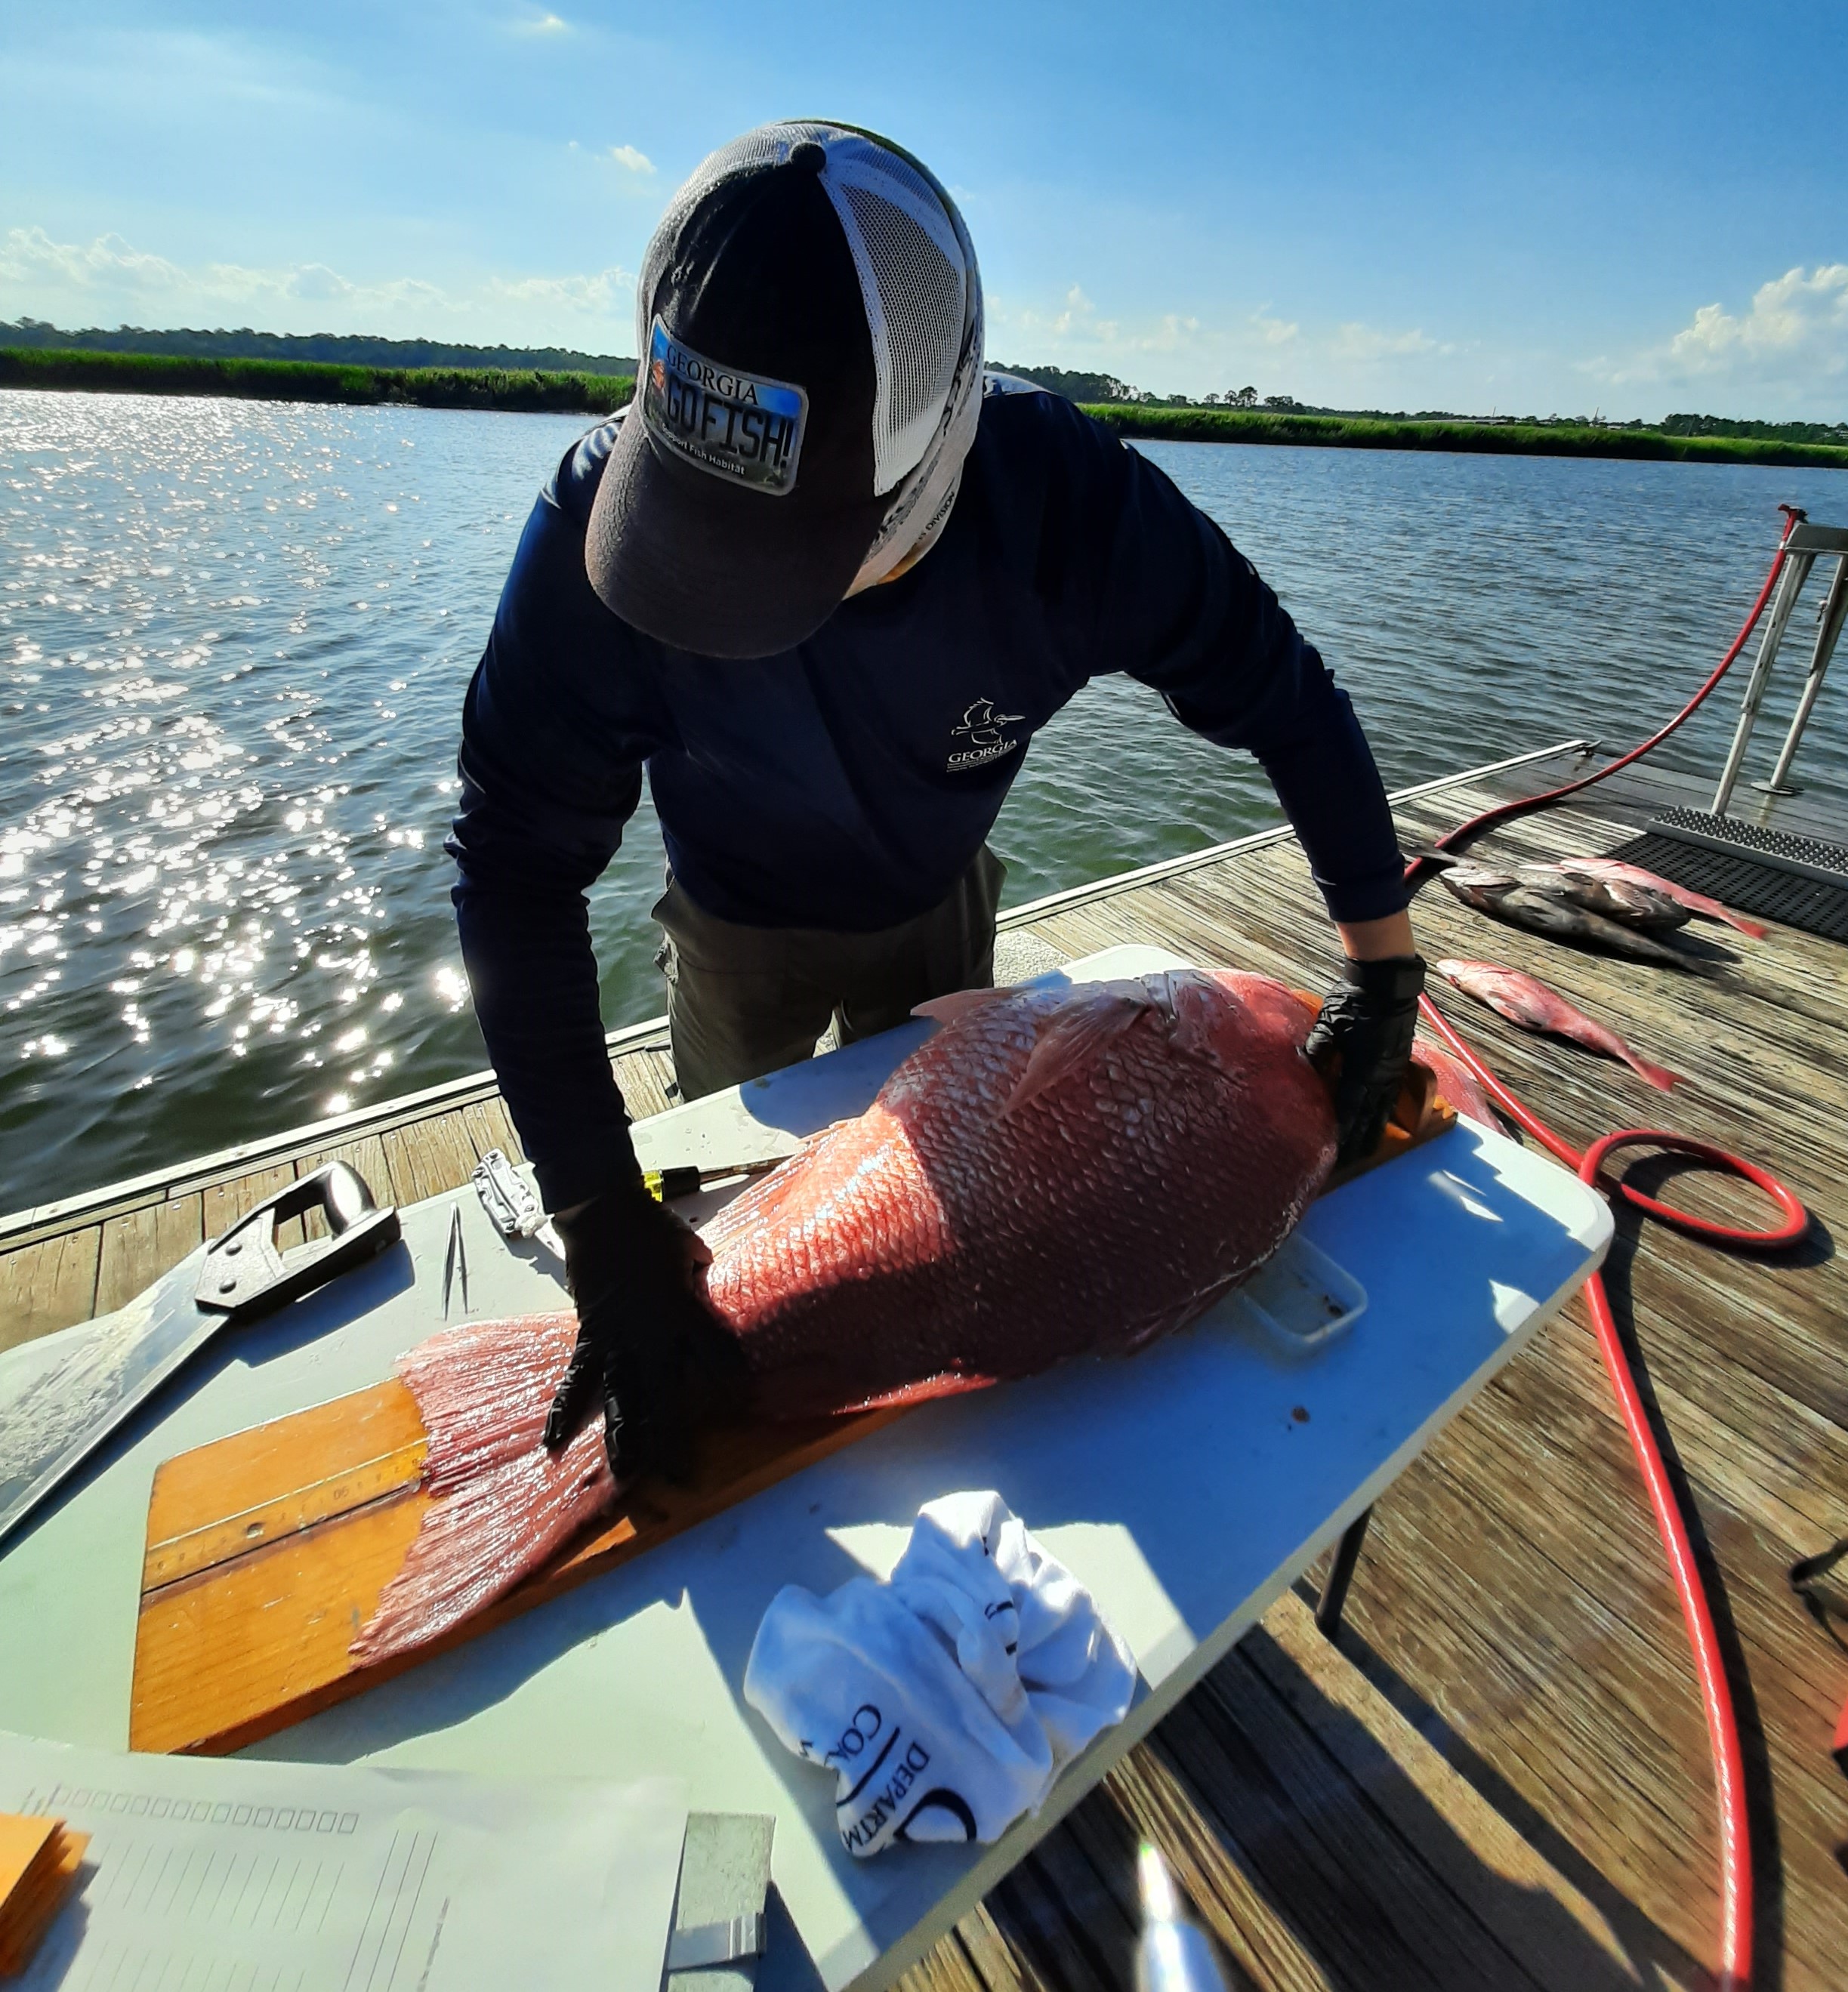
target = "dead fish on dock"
x: 1055, y: 1173
x: 1545, y: 910
x: 1620, y: 899
x: 1523, y: 1001
x: 1696, y: 902
x: 1627, y: 901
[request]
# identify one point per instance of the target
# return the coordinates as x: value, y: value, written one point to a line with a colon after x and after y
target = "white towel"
x: 946, y: 1701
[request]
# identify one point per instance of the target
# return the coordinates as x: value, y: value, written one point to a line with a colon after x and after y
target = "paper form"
x: 215, y: 1875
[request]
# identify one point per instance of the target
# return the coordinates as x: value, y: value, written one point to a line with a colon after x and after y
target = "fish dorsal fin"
x: 1195, y: 1004
x: 1075, y: 1032
x: 959, y: 1003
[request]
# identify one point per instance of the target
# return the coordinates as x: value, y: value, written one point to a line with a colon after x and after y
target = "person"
x: 823, y: 579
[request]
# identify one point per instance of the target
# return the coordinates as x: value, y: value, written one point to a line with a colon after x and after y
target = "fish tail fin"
x: 1752, y: 929
x: 1659, y: 1075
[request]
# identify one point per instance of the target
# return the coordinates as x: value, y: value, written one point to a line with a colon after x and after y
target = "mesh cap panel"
x: 917, y: 333
x: 915, y: 278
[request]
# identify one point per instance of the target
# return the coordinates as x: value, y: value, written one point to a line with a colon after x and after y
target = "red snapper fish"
x: 1634, y: 875
x: 1055, y: 1173
x: 1455, y: 1083
x: 1523, y: 1001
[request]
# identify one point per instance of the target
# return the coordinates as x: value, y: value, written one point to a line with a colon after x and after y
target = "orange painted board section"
x: 222, y: 1501
x: 38, y: 1862
x: 268, y: 1551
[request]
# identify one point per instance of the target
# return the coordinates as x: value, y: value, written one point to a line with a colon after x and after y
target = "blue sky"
x: 1536, y: 208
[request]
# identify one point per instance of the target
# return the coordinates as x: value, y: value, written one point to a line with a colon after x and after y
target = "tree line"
x: 325, y: 348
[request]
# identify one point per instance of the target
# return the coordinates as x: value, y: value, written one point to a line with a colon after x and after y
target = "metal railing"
x: 1807, y: 544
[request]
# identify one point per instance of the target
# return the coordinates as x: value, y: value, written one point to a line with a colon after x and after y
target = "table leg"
x: 1341, y: 1574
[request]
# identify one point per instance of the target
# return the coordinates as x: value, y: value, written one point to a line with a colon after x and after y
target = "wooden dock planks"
x: 48, y: 1284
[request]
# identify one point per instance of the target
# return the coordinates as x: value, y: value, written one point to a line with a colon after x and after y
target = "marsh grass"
x: 313, y: 380
x: 595, y: 393
x: 1499, y: 439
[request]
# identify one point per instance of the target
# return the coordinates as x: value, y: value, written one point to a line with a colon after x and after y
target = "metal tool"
x: 455, y: 1262
x: 244, y: 1274
x: 1172, y: 1954
x: 685, y: 1179
x: 511, y: 1204
x: 120, y: 1361
x: 707, y: 1946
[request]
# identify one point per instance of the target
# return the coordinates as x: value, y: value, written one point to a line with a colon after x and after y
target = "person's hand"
x: 1362, y: 1041
x: 649, y: 1354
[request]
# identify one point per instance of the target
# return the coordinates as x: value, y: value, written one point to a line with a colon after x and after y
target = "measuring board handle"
x: 245, y: 1275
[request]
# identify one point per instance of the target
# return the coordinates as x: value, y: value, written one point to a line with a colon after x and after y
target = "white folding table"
x: 1186, y: 1487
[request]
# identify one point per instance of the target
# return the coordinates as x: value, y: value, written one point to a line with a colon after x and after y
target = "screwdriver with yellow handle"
x: 683, y: 1179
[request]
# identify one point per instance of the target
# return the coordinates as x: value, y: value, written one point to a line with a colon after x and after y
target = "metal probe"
x: 1172, y: 1954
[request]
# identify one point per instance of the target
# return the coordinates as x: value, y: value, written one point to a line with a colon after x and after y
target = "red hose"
x: 1715, y: 1694
x: 1503, y: 811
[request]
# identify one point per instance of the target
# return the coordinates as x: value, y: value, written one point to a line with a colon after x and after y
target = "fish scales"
x: 1051, y: 1175
x: 1527, y: 1001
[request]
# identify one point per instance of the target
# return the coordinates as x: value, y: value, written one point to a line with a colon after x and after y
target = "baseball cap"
x: 809, y: 320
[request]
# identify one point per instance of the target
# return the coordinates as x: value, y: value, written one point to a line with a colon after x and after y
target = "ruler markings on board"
x: 228, y: 1536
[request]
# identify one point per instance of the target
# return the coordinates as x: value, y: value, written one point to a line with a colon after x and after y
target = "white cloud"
x: 1799, y: 316
x: 607, y: 290
x: 632, y: 160
x: 108, y: 281
x: 1075, y: 323
x: 1354, y: 363
x: 1354, y: 341
x: 542, y: 24
x: 1788, y: 349
x: 1172, y: 333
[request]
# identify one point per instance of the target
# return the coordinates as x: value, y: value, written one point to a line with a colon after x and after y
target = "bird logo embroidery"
x: 981, y: 726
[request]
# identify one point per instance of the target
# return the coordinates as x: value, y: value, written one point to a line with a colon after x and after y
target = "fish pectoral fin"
x: 1074, y: 1034
x: 959, y: 1003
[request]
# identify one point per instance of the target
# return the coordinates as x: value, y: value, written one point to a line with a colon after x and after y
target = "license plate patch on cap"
x: 737, y: 425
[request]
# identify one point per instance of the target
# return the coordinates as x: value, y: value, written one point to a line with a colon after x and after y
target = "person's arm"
x: 551, y: 765
x: 524, y: 922
x: 647, y: 1353
x: 557, y: 724
x: 1179, y: 607
x: 1377, y: 940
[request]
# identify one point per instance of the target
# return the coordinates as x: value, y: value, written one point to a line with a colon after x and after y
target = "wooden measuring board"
x: 267, y: 1552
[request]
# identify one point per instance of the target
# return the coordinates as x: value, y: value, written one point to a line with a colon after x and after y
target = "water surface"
x: 234, y: 638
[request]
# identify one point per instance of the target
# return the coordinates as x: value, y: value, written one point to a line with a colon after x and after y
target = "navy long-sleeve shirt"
x: 846, y: 784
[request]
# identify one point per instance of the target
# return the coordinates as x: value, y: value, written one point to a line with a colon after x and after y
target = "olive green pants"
x: 745, y: 1001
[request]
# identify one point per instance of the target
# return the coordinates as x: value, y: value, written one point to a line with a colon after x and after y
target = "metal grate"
x: 1798, y: 882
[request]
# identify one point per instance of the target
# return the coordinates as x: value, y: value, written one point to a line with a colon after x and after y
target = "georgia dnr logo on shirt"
x: 980, y: 731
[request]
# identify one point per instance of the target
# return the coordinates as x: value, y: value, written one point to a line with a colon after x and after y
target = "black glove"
x: 648, y: 1349
x: 1363, y: 1040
